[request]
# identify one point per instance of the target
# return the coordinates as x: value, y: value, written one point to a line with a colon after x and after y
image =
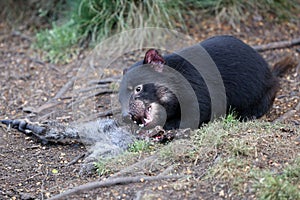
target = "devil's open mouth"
x: 143, y: 120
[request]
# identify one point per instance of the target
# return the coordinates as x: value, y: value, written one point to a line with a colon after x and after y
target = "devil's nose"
x: 126, y: 117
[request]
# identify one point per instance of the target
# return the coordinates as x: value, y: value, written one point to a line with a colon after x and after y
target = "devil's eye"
x: 138, y: 88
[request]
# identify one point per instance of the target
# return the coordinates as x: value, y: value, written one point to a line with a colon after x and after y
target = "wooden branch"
x: 21, y: 35
x: 65, y: 87
x: 105, y: 91
x: 288, y: 114
x: 108, y: 113
x: 167, y: 170
x: 105, y: 80
x: 76, y: 159
x: 88, y: 89
x: 277, y: 45
x: 47, y: 105
x: 112, y: 182
x: 100, y: 92
x: 134, y: 167
x: 298, y: 72
x: 105, y: 113
x: 48, y: 114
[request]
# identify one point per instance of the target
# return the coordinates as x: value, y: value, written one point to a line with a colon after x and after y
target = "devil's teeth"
x: 147, y: 120
x: 141, y: 125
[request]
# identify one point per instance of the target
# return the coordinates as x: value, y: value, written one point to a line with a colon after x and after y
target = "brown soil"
x: 27, y: 168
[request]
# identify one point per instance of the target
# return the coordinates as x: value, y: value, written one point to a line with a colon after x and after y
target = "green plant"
x: 93, y: 20
x: 178, y: 151
x: 31, y: 12
x: 230, y: 120
x: 234, y: 11
x: 239, y: 147
x: 102, y: 167
x: 281, y: 9
x: 101, y: 18
x: 140, y: 146
x: 281, y: 185
x: 58, y: 42
x: 211, y: 135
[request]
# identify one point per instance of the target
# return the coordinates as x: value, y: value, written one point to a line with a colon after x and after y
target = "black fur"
x: 249, y: 83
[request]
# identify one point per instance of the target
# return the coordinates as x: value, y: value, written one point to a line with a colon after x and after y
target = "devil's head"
x: 147, y: 105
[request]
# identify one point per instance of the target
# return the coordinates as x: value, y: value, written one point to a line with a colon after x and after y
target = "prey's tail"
x: 282, y: 66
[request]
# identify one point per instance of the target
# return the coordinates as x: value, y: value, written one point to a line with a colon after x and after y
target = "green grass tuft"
x: 58, y: 42
x: 91, y: 21
x: 284, y: 185
x: 233, y: 11
x: 237, y: 149
x: 102, y: 167
x: 140, y: 146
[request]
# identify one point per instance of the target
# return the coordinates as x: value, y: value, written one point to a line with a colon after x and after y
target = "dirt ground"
x: 30, y: 170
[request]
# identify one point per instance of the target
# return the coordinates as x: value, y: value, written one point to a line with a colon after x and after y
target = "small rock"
x: 26, y: 196
x: 29, y: 109
x: 222, y: 193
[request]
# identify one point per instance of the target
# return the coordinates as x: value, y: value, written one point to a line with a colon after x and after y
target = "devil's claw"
x: 23, y: 126
x: 16, y: 123
x: 7, y: 122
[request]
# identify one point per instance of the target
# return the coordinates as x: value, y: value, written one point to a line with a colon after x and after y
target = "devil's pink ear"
x: 155, y: 59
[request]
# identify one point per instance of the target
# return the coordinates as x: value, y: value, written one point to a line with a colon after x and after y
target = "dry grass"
x: 252, y: 158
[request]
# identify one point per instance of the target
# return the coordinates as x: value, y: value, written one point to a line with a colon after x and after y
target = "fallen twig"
x: 48, y: 104
x: 100, y: 92
x: 288, y: 114
x: 139, y: 165
x: 75, y: 160
x: 105, y: 91
x: 105, y: 80
x: 65, y: 87
x: 277, y: 45
x: 167, y: 170
x: 88, y: 89
x: 108, y: 113
x: 21, y: 35
x: 298, y: 72
x: 95, y: 116
x: 45, y: 116
x: 112, y: 182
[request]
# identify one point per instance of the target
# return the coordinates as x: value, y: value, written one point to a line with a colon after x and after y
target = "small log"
x: 277, y: 45
x: 112, y: 182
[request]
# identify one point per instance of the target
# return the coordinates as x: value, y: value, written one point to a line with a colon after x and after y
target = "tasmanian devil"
x: 220, y: 75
